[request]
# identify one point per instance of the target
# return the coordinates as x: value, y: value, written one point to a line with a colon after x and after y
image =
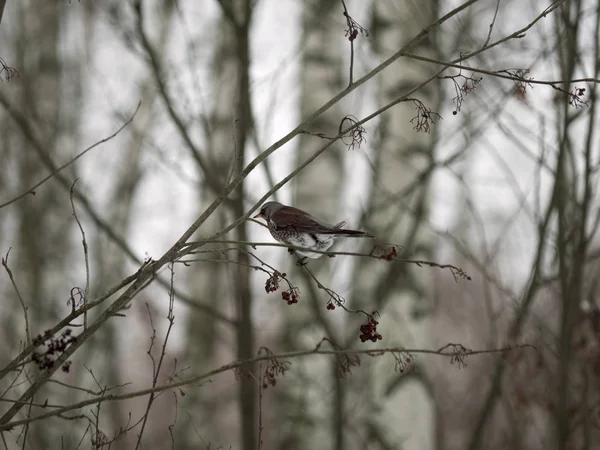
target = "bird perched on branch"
x: 296, y: 227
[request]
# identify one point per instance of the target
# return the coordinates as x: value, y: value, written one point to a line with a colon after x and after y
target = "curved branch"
x: 20, y: 119
x: 455, y: 352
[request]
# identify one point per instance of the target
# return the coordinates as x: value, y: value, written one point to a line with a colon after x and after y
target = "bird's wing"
x: 295, y: 219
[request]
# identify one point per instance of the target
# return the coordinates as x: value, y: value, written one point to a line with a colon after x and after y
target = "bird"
x: 294, y: 226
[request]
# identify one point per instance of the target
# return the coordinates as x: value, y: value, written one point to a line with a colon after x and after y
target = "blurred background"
x: 504, y: 185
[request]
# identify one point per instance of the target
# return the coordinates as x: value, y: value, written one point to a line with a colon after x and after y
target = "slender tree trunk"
x: 245, y: 332
x: 42, y: 247
x: 571, y: 233
x: 227, y: 130
x: 211, y: 282
x: 401, y: 294
x: 318, y: 190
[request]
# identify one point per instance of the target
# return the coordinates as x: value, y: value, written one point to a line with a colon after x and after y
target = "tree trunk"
x: 400, y: 293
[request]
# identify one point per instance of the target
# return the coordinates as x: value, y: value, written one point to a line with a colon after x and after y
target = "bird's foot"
x: 302, y: 261
x: 291, y: 251
x: 331, y: 255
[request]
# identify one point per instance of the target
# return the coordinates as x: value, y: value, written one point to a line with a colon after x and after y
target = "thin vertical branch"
x: 157, y: 367
x: 23, y: 306
x: 347, y: 16
x: 260, y: 410
x: 2, y: 5
x: 85, y: 255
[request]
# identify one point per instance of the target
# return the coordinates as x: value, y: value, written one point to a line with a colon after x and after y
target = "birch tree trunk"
x: 402, y: 411
x: 318, y: 190
x: 110, y: 260
x: 227, y: 131
x: 42, y: 246
x: 209, y: 282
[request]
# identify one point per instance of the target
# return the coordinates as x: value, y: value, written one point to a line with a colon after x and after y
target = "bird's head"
x: 267, y: 210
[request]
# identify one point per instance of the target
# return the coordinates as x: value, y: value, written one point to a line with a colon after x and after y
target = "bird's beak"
x: 258, y: 216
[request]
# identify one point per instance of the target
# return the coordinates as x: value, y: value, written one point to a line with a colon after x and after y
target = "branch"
x: 376, y: 253
x: 157, y: 367
x: 454, y: 352
x: 23, y: 124
x: 12, y: 280
x: 499, y: 74
x: 85, y: 255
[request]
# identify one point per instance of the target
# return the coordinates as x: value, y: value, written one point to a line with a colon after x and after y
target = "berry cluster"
x: 272, y: 283
x: 269, y: 378
x: 368, y: 331
x: 390, y: 254
x: 274, y: 368
x: 291, y: 296
x: 66, y: 367
x: 353, y: 28
x: 330, y: 306
x: 55, y: 347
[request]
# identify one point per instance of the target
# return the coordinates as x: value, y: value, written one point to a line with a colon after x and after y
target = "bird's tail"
x: 354, y: 233
x: 348, y: 233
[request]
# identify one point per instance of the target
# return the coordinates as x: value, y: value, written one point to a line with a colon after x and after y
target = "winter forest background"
x: 137, y: 140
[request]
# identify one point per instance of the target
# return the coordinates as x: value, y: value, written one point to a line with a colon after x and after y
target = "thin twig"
x: 85, y: 255
x: 32, y: 189
x: 157, y: 367
x: 372, y: 254
x: 260, y: 411
x: 491, y: 28
x: 26, y: 428
x: 12, y: 280
x: 505, y: 74
x: 350, y: 77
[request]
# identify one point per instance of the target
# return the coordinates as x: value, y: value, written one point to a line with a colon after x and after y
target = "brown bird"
x: 296, y: 227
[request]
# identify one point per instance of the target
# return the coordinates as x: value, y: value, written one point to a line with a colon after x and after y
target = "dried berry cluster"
x: 55, y: 347
x: 522, y: 82
x: 7, y: 72
x: 368, y: 331
x: 291, y: 296
x: 353, y: 28
x: 272, y: 283
x: 269, y: 378
x: 576, y: 98
x: 356, y: 136
x: 425, y: 117
x: 273, y: 370
x: 390, y: 254
x: 330, y: 306
x: 346, y: 362
x: 462, y: 90
x: 404, y: 362
x: 459, y: 353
